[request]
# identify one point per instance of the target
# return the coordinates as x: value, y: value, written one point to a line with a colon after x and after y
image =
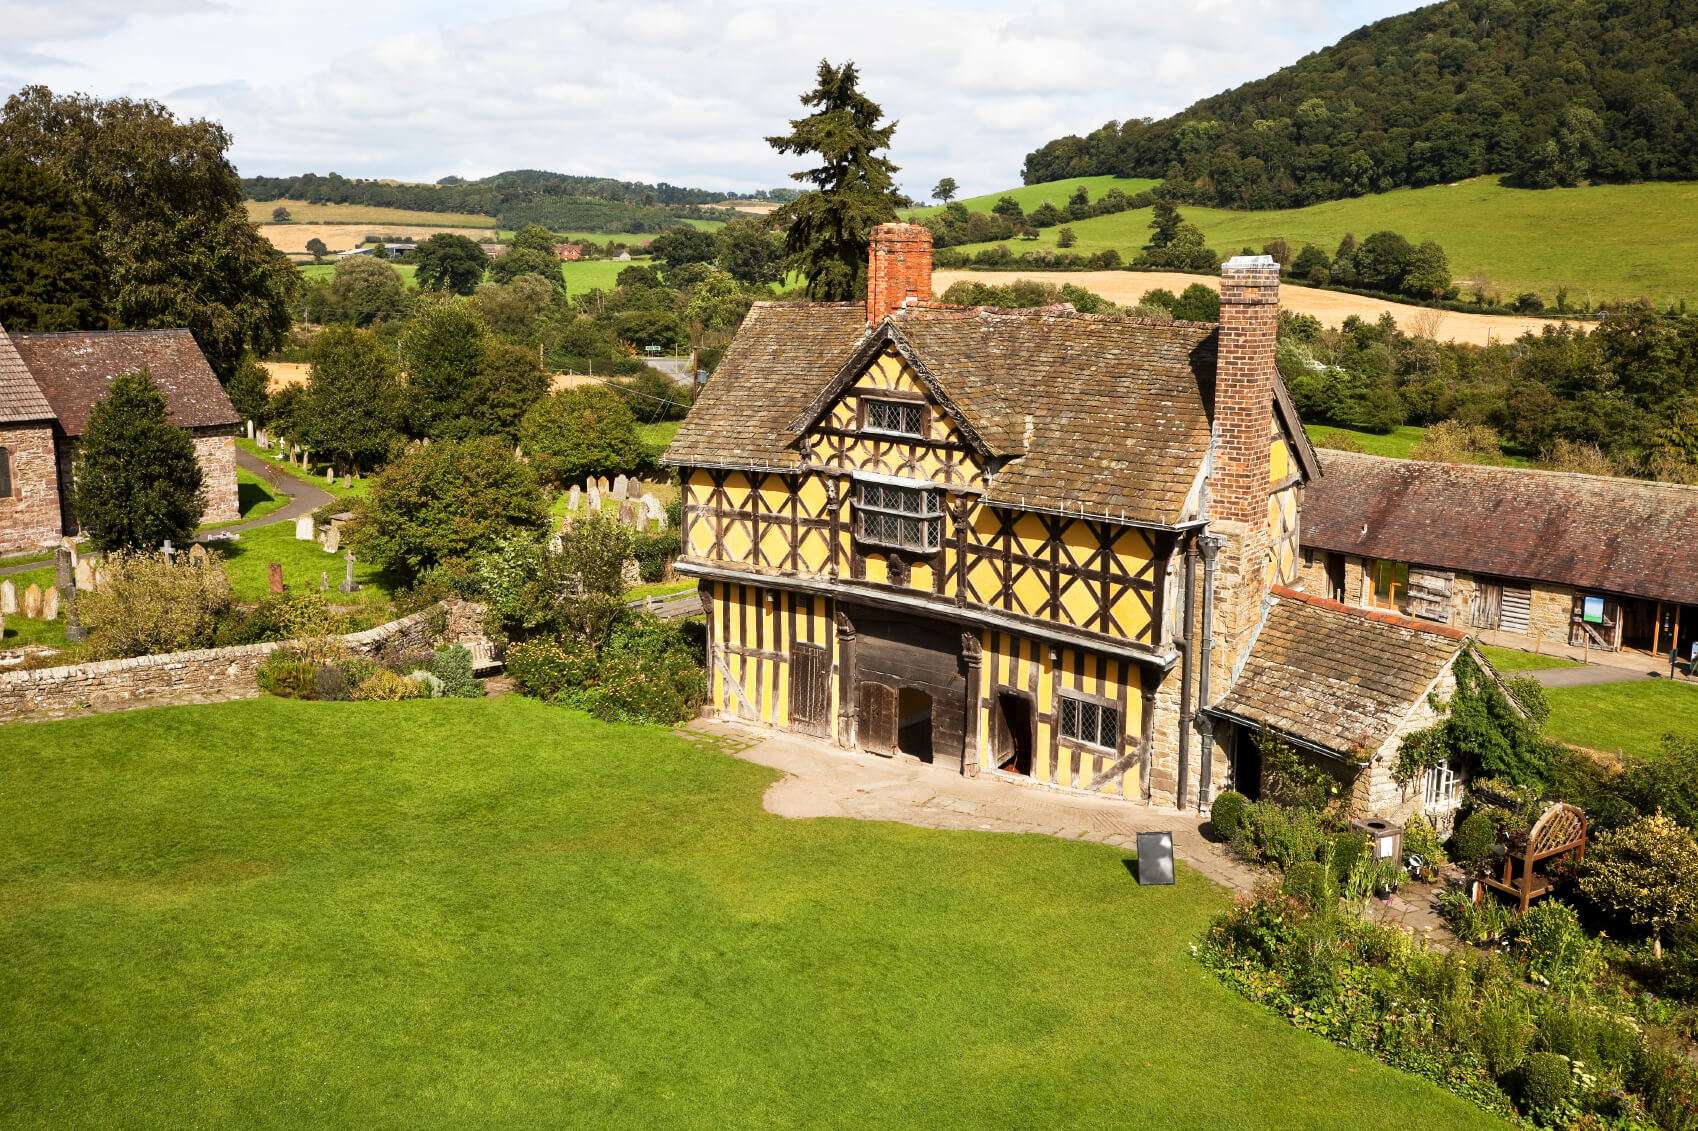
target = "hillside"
x: 1599, y: 243
x: 1031, y: 197
x: 1552, y: 92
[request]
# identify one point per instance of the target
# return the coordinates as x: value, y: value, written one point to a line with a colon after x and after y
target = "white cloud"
x: 683, y: 92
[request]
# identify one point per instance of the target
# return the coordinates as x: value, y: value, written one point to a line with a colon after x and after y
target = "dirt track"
x: 1331, y: 307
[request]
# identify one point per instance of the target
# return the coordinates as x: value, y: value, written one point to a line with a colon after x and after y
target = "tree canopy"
x: 354, y: 406
x: 450, y: 262
x: 52, y: 269
x: 829, y: 229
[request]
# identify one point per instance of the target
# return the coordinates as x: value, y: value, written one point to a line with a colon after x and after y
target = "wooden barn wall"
x: 907, y: 652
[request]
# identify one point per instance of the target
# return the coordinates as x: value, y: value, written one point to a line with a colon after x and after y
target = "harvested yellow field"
x: 293, y: 238
x: 301, y: 212
x: 284, y: 374
x: 1331, y: 307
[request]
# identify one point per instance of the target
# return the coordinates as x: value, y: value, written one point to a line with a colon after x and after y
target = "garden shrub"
x: 547, y: 669
x: 384, y: 685
x: 1546, y: 1083
x: 645, y: 671
x: 1227, y: 813
x: 1503, y: 1034
x: 1347, y: 849
x: 329, y: 683
x: 1419, y: 839
x: 1486, y: 923
x: 1280, y: 835
x: 453, y: 666
x: 655, y: 550
x: 1475, y: 837
x: 288, y: 675
x: 146, y: 605
x: 1308, y: 882
x: 1645, y: 874
x: 1556, y: 950
x: 1667, y: 1084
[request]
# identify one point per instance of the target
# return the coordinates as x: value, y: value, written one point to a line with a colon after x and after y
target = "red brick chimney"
x: 1244, y: 389
x: 899, y: 267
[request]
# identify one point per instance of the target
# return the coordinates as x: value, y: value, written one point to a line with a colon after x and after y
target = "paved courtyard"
x: 822, y: 780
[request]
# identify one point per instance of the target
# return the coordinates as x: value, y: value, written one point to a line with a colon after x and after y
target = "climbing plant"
x: 1489, y: 731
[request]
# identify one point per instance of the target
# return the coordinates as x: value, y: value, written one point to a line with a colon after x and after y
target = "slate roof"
x: 1626, y: 536
x: 1335, y: 677
x: 21, y: 399
x: 75, y: 369
x: 1108, y: 416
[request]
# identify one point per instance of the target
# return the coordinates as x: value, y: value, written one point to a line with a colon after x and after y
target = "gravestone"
x: 275, y: 575
x: 8, y: 596
x: 323, y: 581
x: 32, y: 602
x: 605, y: 484
x: 595, y: 497
x: 304, y: 528
x: 64, y: 567
x: 99, y: 578
x: 250, y: 429
x: 347, y: 481
x: 170, y: 552
x: 197, y: 554
x: 349, y: 585
x: 630, y: 573
x: 572, y: 498
x: 655, y: 511
x: 628, y: 511
x: 619, y: 486
x: 333, y: 538
x: 634, y: 488
x: 50, y: 603
x: 330, y: 476
x: 85, y: 575
x: 556, y: 544
x: 641, y: 513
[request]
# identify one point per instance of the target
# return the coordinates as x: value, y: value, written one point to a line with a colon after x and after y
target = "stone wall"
x: 217, y: 454
x: 1377, y: 791
x: 211, y: 675
x: 29, y: 515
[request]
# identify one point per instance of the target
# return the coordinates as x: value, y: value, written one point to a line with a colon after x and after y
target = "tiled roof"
x: 1106, y: 415
x: 21, y: 398
x: 1335, y: 677
x: 1625, y: 536
x: 75, y: 369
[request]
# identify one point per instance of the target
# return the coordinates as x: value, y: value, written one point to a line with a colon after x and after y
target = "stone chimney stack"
x: 1244, y: 389
x: 899, y: 268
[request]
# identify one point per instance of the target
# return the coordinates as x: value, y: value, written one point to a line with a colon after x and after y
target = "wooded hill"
x: 1550, y: 92
x: 518, y: 197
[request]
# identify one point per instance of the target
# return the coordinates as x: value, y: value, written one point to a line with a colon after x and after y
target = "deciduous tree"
x: 354, y: 406
x: 137, y: 482
x: 578, y: 432
x: 945, y: 190
x: 449, y: 262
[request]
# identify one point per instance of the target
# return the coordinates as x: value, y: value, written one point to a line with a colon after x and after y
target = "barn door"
x: 878, y: 718
x: 1488, y: 604
x: 1516, y: 609
x: 810, y: 689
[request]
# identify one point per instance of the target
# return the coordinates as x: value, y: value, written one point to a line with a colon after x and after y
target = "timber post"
x: 846, y: 728
x: 973, y: 656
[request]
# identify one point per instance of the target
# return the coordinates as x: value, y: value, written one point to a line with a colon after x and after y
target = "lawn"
x: 1623, y: 718
x: 581, y: 274
x: 1399, y: 443
x: 1636, y: 237
x: 248, y: 561
x: 656, y: 436
x: 355, y: 490
x: 1513, y: 661
x: 452, y: 913
x: 301, y: 212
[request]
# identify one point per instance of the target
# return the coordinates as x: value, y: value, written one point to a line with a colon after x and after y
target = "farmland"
x: 580, y: 275
x: 1050, y: 192
x: 1638, y: 238
x: 302, y: 212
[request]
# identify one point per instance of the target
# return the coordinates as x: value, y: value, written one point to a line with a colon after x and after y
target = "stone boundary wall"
x: 210, y: 675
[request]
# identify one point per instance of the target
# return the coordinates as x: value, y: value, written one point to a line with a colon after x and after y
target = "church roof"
x: 1628, y: 536
x: 1335, y: 677
x: 1099, y: 415
x: 21, y: 399
x: 75, y: 369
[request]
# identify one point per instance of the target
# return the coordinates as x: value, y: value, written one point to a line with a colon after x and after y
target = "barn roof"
x: 74, y: 370
x: 1337, y: 678
x: 1627, y: 536
x: 21, y: 399
x: 1110, y: 416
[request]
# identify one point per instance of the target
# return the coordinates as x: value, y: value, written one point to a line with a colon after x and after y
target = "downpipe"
x: 1205, y: 723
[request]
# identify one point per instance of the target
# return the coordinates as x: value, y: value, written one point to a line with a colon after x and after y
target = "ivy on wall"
x: 1491, y: 728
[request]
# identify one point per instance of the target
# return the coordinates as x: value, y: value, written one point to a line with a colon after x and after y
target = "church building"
x: 49, y: 383
x: 1031, y: 543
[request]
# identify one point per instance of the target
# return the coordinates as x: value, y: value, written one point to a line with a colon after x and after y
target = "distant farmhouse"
x: 1517, y: 557
x: 48, y: 385
x: 1038, y: 545
x: 569, y: 251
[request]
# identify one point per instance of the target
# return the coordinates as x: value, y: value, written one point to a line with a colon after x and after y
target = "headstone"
x: 324, y: 581
x: 197, y: 554
x: 595, y: 497
x: 630, y: 573
x: 333, y: 538
x: 85, y: 575
x: 604, y: 484
x: 641, y: 512
x: 250, y: 429
x: 330, y: 476
x: 304, y: 528
x: 260, y: 438
x: 634, y: 489
x: 170, y: 552
x: 99, y: 578
x: 556, y: 544
x: 347, y: 481
x: 64, y: 567
x: 276, y: 577
x: 32, y: 602
x: 619, y: 486
x: 348, y: 584
x: 8, y: 597
x: 628, y: 511
x: 50, y: 603
x: 572, y: 498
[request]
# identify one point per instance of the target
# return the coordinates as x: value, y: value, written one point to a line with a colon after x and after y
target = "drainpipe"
x: 1206, y: 724
x: 1184, y: 644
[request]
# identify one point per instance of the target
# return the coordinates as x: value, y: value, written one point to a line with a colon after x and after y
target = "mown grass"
x: 302, y: 212
x: 1623, y: 718
x: 1600, y: 242
x: 314, y: 476
x: 581, y: 275
x: 1399, y: 443
x: 247, y: 561
x: 494, y: 912
x: 1512, y: 661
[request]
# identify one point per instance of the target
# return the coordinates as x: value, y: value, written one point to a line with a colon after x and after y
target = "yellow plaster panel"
x: 878, y: 570
x: 1030, y: 592
x: 737, y: 541
x: 920, y: 576
x: 811, y: 494
x: 1279, y: 461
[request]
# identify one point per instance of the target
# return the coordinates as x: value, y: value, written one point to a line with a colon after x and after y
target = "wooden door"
x: 810, y: 689
x: 1488, y: 604
x: 878, y: 718
x: 1335, y: 577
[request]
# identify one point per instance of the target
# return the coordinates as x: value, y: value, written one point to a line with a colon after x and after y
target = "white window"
x: 1089, y: 722
x: 905, y: 418
x: 906, y: 518
x: 1438, y: 788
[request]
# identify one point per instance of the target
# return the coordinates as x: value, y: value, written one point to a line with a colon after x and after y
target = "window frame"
x: 1440, y: 787
x: 8, y: 481
x: 917, y: 404
x: 929, y: 517
x: 1397, y: 590
x: 1104, y: 708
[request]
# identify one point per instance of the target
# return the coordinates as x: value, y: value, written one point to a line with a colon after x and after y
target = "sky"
x: 680, y: 92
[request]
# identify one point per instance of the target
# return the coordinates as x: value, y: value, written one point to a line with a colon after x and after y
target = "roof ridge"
x: 1397, y: 620
x: 34, y: 334
x: 1048, y: 310
x: 1510, y: 472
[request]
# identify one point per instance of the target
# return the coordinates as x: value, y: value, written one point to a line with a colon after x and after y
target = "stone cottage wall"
x: 217, y: 455
x: 1376, y: 791
x: 29, y: 516
x: 210, y: 675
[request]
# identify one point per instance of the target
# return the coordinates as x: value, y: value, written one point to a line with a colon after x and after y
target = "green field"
x: 1623, y: 718
x: 1513, y: 661
x: 581, y: 275
x: 1399, y: 443
x: 1600, y: 242
x: 1030, y: 197
x: 301, y: 212
x: 498, y: 913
